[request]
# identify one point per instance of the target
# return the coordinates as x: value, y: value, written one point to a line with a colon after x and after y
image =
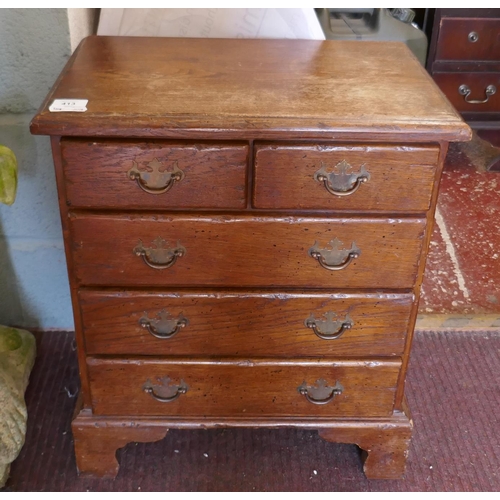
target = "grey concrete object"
x: 371, y: 25
x: 17, y: 355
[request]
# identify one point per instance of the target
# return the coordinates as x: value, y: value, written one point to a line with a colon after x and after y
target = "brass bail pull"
x: 466, y: 91
x: 320, y: 394
x: 334, y: 258
x: 163, y: 326
x: 164, y: 391
x: 155, y: 179
x: 341, y: 181
x: 159, y: 256
x: 330, y: 328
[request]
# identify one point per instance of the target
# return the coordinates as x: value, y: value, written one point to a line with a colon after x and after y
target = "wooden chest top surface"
x: 169, y: 87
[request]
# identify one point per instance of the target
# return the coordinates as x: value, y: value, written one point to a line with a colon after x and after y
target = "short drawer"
x: 469, y: 39
x: 468, y: 92
x: 243, y: 388
x: 154, y: 174
x: 163, y: 250
x: 344, y: 177
x: 244, y: 324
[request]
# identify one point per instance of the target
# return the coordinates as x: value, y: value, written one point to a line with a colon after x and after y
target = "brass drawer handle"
x: 465, y: 91
x: 162, y: 327
x: 159, y: 257
x: 341, y: 182
x: 334, y: 259
x: 152, y: 180
x: 331, y: 328
x: 321, y: 394
x: 164, y: 392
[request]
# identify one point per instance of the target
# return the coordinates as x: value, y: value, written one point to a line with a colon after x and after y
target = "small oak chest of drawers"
x: 246, y: 225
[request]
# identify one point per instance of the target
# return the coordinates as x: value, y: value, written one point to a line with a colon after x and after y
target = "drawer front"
x: 245, y: 251
x: 244, y: 388
x: 477, y: 84
x: 369, y: 177
x: 154, y: 174
x: 472, y: 39
x: 244, y: 324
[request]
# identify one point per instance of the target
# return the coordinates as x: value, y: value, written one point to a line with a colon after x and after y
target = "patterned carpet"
x: 453, y: 392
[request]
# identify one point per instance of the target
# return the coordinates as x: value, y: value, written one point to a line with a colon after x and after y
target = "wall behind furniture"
x: 34, y: 47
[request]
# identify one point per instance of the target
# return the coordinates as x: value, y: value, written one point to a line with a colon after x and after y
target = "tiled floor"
x: 462, y: 277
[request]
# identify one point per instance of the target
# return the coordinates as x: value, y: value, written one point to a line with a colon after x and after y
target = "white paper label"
x: 69, y: 105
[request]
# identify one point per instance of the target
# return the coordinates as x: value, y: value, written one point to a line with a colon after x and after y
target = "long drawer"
x: 244, y: 324
x: 344, y: 177
x: 314, y: 388
x: 245, y: 251
x: 154, y: 174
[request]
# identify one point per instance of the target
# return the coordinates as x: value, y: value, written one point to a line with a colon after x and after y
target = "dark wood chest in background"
x: 246, y: 225
x: 464, y: 60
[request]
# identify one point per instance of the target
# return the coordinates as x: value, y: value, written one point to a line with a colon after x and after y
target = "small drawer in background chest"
x: 468, y: 39
x: 471, y: 92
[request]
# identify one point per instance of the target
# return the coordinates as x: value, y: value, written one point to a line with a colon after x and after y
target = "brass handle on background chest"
x: 320, y: 394
x: 334, y: 258
x: 465, y: 91
x: 329, y: 328
x: 163, y: 327
x: 155, y: 179
x: 341, y: 181
x: 159, y: 256
x: 164, y: 391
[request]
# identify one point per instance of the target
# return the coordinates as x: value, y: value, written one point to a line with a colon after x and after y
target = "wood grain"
x: 245, y: 251
x: 167, y: 87
x: 243, y: 387
x: 96, y: 173
x: 401, y: 177
x: 244, y: 324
